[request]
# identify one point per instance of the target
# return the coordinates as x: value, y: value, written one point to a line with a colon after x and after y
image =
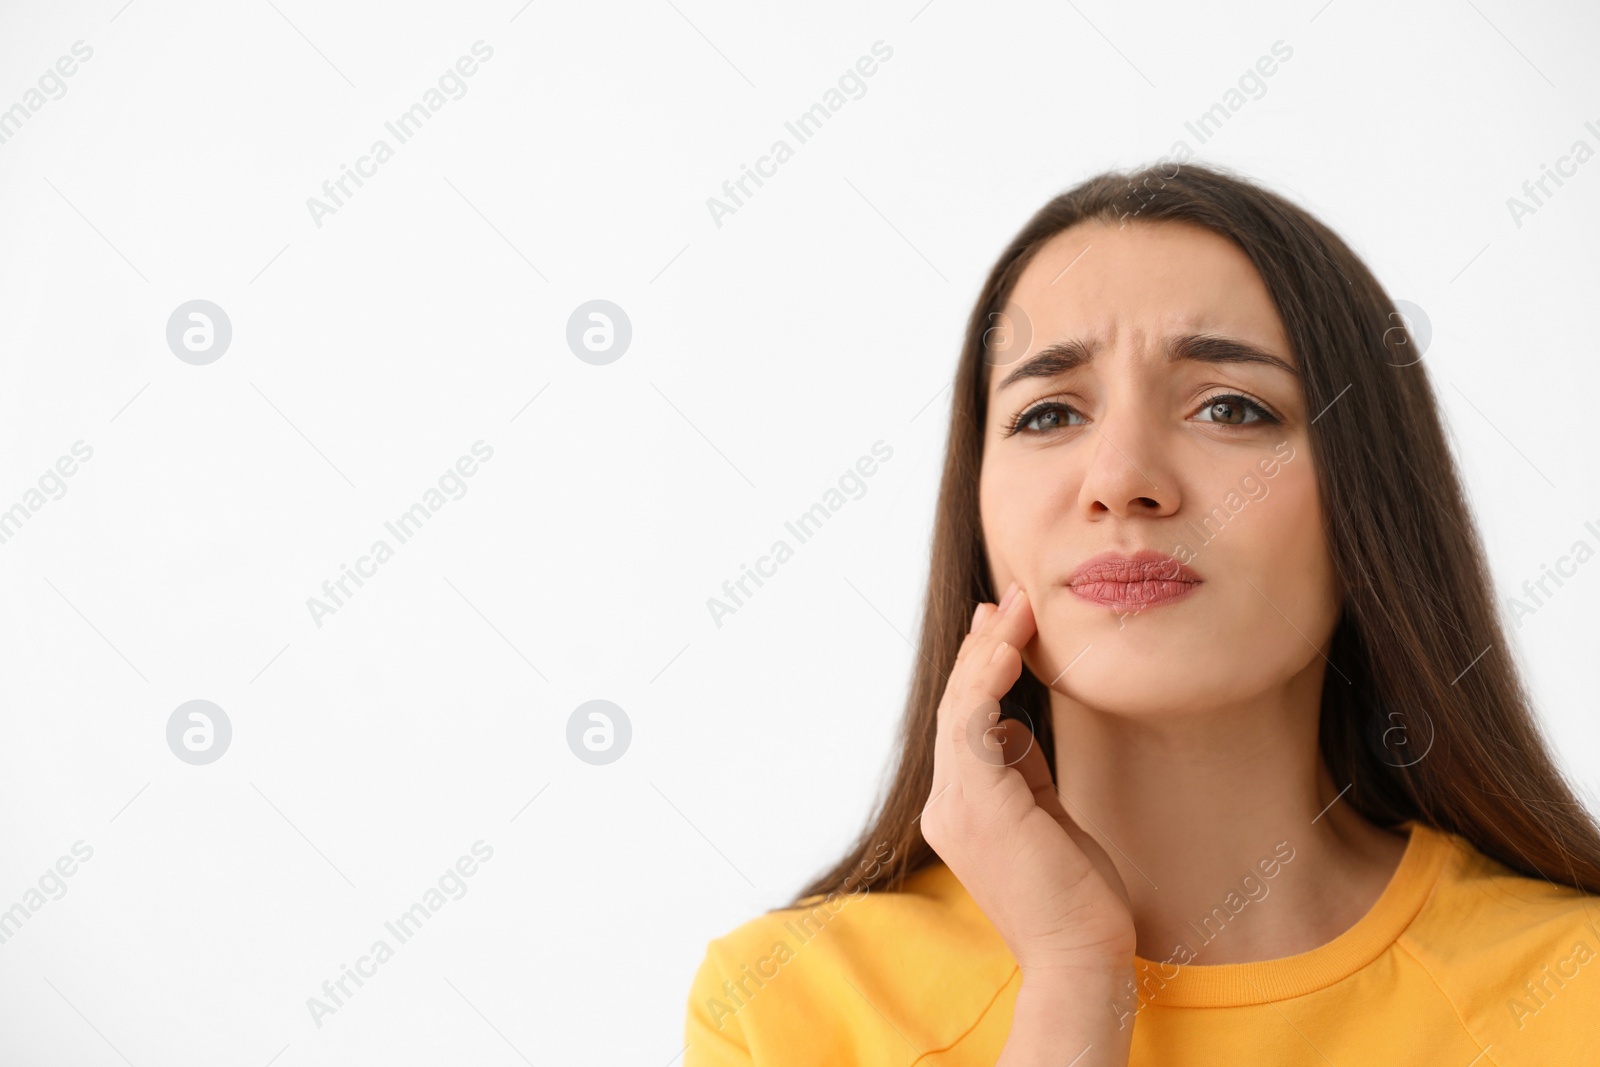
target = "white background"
x: 768, y: 354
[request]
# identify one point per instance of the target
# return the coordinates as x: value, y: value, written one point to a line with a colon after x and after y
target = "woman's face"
x: 1143, y: 398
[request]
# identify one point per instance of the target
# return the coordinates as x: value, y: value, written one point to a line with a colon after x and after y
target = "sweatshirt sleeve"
x: 712, y: 1032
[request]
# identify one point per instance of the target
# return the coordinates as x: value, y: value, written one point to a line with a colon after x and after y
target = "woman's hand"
x: 1050, y: 890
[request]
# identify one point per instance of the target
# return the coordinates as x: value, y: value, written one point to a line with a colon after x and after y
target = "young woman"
x: 1215, y: 751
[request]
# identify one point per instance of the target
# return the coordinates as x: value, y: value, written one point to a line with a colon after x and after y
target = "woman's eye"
x: 1042, y: 418
x: 1226, y: 409
x: 1231, y: 409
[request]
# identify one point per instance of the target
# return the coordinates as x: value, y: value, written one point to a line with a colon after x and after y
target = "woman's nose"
x: 1127, y: 473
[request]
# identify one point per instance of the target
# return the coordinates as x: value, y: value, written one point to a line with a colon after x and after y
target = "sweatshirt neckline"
x: 1180, y: 985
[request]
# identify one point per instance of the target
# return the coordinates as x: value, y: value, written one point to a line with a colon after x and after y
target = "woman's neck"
x: 1193, y: 805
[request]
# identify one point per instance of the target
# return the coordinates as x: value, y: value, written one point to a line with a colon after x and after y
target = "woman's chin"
x: 1113, y: 670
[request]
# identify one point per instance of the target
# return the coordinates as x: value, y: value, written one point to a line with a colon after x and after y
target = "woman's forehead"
x: 1143, y: 282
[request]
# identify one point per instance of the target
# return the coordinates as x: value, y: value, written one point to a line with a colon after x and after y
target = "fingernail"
x: 999, y: 651
x: 971, y: 628
x: 1011, y: 591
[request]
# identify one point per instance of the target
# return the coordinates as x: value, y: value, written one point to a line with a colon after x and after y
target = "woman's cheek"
x: 1290, y: 540
x: 1295, y: 526
x: 1004, y: 536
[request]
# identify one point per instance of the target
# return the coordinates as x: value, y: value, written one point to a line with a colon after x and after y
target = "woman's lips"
x: 1143, y: 580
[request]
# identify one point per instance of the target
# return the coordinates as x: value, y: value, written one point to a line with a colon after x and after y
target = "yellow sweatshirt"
x: 1461, y: 962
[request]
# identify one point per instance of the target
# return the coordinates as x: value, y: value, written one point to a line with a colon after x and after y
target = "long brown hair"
x: 1434, y: 723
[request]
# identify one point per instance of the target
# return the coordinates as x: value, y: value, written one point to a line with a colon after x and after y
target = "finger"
x: 1024, y: 753
x: 956, y: 683
x: 995, y: 623
x: 985, y: 670
x: 991, y: 624
x: 976, y: 735
x: 1026, y: 756
x: 1014, y: 625
x: 981, y: 737
x: 980, y: 618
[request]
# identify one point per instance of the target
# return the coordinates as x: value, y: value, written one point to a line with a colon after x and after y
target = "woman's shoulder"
x: 915, y: 966
x: 1505, y: 904
x: 1517, y: 957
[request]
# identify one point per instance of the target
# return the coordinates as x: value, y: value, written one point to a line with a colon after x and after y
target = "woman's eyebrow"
x: 1062, y: 356
x: 1209, y: 348
x: 1051, y: 361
